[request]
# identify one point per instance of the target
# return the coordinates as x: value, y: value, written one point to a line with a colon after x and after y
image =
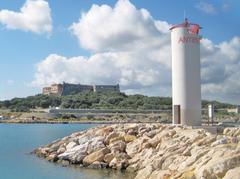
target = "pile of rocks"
x: 233, y: 132
x: 151, y: 151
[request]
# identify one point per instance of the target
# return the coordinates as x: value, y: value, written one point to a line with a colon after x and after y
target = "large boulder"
x: 233, y: 173
x: 145, y: 172
x: 161, y: 174
x: 116, y: 139
x: 108, y: 158
x: 151, y: 134
x: 134, y: 147
x: 117, y: 146
x: 98, y: 165
x: 96, y: 156
x: 220, y: 142
x: 72, y: 152
x: 54, y: 147
x: 206, y: 140
x: 159, y: 137
x: 96, y: 144
x: 129, y: 138
x: 120, y: 161
x: 233, y: 132
x: 217, y: 167
x: 61, y: 150
x: 195, y: 155
x: 52, y: 158
x: 110, y: 136
x: 146, y: 157
x: 71, y: 145
x: 104, y: 131
x: 84, y: 139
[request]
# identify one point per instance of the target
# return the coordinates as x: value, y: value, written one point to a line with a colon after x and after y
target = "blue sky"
x: 23, y: 49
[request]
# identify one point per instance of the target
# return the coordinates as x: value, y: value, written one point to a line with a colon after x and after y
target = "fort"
x: 68, y: 89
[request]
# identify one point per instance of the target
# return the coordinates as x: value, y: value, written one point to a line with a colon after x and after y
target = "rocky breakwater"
x: 151, y: 151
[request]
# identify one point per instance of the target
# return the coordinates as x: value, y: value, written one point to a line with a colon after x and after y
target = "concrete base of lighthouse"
x: 189, y: 117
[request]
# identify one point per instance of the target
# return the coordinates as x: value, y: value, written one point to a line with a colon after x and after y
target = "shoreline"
x: 77, y: 122
x: 150, y: 151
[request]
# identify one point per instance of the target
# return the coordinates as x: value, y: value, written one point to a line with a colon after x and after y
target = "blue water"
x: 16, y: 162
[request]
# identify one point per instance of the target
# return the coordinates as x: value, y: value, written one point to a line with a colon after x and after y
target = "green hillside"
x: 109, y: 100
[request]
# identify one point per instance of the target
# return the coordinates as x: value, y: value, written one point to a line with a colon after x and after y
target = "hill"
x: 90, y: 100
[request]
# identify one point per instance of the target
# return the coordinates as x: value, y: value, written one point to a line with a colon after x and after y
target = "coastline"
x: 150, y: 151
x: 56, y: 121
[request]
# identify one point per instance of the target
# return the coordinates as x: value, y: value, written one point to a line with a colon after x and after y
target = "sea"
x: 17, y: 141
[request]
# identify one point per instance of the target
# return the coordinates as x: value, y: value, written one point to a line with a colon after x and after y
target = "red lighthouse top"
x: 193, y: 28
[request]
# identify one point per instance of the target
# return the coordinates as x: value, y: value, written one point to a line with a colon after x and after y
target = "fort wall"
x: 68, y: 89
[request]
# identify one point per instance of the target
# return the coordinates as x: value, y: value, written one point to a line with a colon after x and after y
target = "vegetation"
x: 90, y: 100
x: 217, y: 104
x: 31, y: 102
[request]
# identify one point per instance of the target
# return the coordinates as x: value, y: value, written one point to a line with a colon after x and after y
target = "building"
x: 47, y: 90
x: 234, y: 110
x: 68, y: 89
x: 54, y: 89
x: 186, y: 82
x: 100, y: 88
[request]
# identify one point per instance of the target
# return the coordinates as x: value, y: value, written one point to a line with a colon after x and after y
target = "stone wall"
x: 54, y: 89
x: 100, y: 88
x: 68, y: 89
x: 75, y: 88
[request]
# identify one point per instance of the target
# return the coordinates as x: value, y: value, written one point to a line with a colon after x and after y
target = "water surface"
x: 18, y: 140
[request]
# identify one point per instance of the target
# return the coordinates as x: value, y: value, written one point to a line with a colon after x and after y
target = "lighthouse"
x: 186, y: 81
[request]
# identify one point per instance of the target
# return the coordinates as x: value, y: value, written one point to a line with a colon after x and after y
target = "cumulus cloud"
x: 220, y: 70
x: 34, y: 16
x: 131, y: 48
x: 130, y: 70
x: 123, y: 27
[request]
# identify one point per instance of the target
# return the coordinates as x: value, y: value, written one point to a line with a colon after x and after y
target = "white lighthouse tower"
x: 186, y: 82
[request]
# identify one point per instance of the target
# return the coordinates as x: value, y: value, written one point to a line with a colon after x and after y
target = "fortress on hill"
x: 68, y: 89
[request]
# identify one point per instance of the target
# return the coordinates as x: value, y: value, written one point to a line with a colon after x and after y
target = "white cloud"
x: 206, y: 8
x: 34, y: 16
x: 123, y: 27
x: 129, y: 69
x: 129, y: 47
x: 220, y: 71
x: 135, y: 51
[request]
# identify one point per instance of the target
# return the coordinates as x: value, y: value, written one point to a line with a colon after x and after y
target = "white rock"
x: 96, y: 144
x: 220, y: 142
x: 69, y: 153
x: 233, y: 174
x: 83, y: 139
x: 71, y: 145
x: 218, y: 166
x: 117, y: 146
x: 133, y: 147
